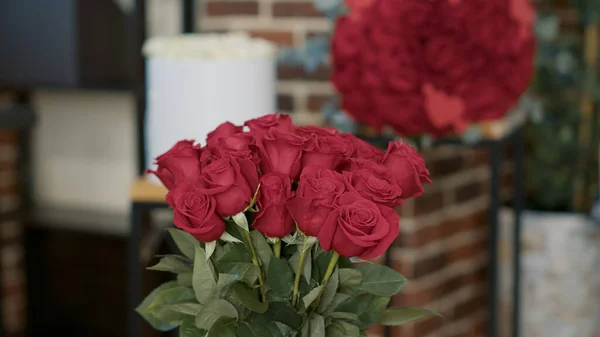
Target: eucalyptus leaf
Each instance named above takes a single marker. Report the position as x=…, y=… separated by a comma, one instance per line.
x=172, y=263
x=142, y=309
x=184, y=241
x=189, y=329
x=307, y=268
x=380, y=280
x=280, y=278
x=342, y=329
x=311, y=296
x=350, y=280
x=262, y=247
x=204, y=278
x=212, y=311
x=248, y=297
x=367, y=307
x=403, y=315
x=330, y=290
x=223, y=327
x=317, y=326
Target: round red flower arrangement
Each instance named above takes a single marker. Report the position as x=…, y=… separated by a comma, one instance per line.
x=328, y=185
x=432, y=66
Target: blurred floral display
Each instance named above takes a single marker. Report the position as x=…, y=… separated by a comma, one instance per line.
x=561, y=155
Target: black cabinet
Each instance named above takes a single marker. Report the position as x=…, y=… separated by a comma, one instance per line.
x=64, y=43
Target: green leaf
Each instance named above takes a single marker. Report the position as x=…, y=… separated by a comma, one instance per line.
x=342, y=329
x=231, y=255
x=343, y=316
x=190, y=309
x=317, y=326
x=251, y=329
x=160, y=306
x=223, y=327
x=246, y=272
x=350, y=280
x=263, y=249
x=248, y=297
x=189, y=329
x=214, y=310
x=367, y=307
x=142, y=309
x=305, y=331
x=185, y=279
x=185, y=242
x=307, y=268
x=403, y=315
x=281, y=312
x=363, y=334
x=280, y=278
x=172, y=263
x=337, y=299
x=203, y=278
x=225, y=280
x=330, y=290
x=380, y=280
x=321, y=262
x=311, y=296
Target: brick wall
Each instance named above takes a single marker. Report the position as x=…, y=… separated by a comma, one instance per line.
x=12, y=255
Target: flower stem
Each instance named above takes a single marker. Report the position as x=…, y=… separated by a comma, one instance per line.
x=330, y=268
x=277, y=249
x=299, y=271
x=256, y=262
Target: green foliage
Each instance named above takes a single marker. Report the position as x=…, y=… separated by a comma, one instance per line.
x=222, y=296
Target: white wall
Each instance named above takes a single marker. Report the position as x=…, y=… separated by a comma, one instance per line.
x=84, y=151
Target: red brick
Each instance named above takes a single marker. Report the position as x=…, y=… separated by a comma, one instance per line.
x=295, y=10
x=8, y=137
x=281, y=38
x=298, y=73
x=224, y=8
x=316, y=102
x=421, y=237
x=285, y=102
x=469, y=191
x=445, y=166
x=406, y=330
x=467, y=251
x=476, y=158
x=428, y=203
x=428, y=325
x=468, y=307
x=467, y=222
x=376, y=330
x=430, y=264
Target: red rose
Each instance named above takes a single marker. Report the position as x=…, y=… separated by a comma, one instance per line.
x=194, y=212
x=179, y=164
x=239, y=145
x=261, y=125
x=362, y=149
x=281, y=152
x=224, y=130
x=408, y=167
x=232, y=182
x=326, y=151
x=273, y=219
x=316, y=196
x=374, y=182
x=358, y=227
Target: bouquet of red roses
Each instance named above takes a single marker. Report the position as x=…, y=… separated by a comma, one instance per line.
x=274, y=224
x=432, y=66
